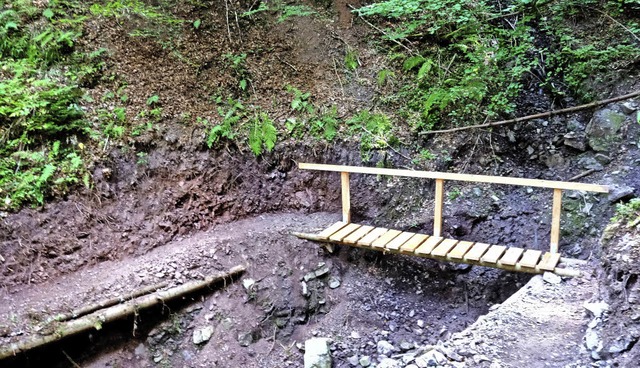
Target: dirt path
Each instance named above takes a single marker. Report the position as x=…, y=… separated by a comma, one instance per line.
x=542, y=325
x=293, y=290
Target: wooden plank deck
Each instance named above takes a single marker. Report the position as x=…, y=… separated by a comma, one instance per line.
x=435, y=247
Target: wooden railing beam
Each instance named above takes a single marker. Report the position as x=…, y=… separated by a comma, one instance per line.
x=459, y=177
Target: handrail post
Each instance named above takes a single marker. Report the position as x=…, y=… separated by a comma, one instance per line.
x=346, y=197
x=437, y=215
x=555, y=220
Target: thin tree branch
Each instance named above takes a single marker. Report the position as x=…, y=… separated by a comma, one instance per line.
x=536, y=116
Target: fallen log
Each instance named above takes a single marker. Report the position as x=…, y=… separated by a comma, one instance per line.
x=106, y=303
x=98, y=318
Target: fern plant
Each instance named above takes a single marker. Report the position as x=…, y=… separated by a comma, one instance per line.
x=263, y=134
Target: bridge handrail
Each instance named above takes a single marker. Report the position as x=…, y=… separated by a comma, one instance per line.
x=459, y=177
x=440, y=177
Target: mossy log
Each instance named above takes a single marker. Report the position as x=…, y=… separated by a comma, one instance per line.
x=98, y=318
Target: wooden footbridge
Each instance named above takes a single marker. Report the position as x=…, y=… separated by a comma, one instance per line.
x=434, y=245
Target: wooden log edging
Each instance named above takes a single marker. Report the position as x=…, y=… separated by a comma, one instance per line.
x=98, y=318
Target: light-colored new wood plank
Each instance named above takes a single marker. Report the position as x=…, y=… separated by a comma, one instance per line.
x=358, y=234
x=460, y=250
x=476, y=252
x=427, y=247
x=437, y=211
x=530, y=258
x=444, y=247
x=326, y=233
x=385, y=238
x=555, y=220
x=410, y=245
x=460, y=177
x=397, y=242
x=344, y=232
x=511, y=256
x=372, y=236
x=493, y=254
x=346, y=197
x=549, y=261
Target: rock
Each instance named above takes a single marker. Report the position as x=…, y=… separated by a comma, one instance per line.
x=202, y=335
x=305, y=289
x=385, y=348
x=480, y=358
x=353, y=360
x=629, y=107
x=309, y=276
x=245, y=339
x=354, y=335
x=597, y=309
x=322, y=271
x=389, y=363
x=316, y=353
x=334, y=282
x=618, y=193
x=620, y=345
x=603, y=132
x=248, y=283
x=432, y=358
x=554, y=160
x=592, y=340
x=408, y=358
x=576, y=140
x=405, y=345
x=365, y=361
x=603, y=159
x=551, y=278
x=590, y=163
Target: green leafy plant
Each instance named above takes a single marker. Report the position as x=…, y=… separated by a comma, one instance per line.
x=263, y=134
x=301, y=100
x=289, y=11
x=237, y=65
x=153, y=100
x=628, y=213
x=351, y=60
x=375, y=130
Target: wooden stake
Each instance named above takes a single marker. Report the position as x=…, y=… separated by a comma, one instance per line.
x=437, y=215
x=555, y=220
x=346, y=198
x=96, y=319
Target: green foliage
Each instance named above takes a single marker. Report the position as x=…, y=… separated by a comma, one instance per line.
x=477, y=56
x=383, y=76
x=301, y=100
x=263, y=134
x=374, y=130
x=237, y=65
x=289, y=11
x=40, y=116
x=628, y=213
x=351, y=60
x=153, y=100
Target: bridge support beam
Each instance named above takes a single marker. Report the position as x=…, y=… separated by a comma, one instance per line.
x=555, y=219
x=437, y=213
x=346, y=197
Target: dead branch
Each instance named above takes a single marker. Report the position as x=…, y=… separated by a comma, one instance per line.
x=536, y=116
x=98, y=318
